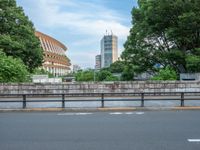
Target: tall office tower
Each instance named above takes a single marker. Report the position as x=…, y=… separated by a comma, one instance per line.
x=109, y=50
x=98, y=62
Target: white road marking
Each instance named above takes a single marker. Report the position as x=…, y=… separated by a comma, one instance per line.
x=71, y=114
x=83, y=113
x=139, y=113
x=129, y=113
x=112, y=113
x=193, y=140
x=126, y=113
x=116, y=113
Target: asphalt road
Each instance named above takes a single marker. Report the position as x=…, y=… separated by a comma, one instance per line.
x=149, y=130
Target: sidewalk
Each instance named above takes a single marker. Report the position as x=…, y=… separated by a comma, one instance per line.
x=100, y=109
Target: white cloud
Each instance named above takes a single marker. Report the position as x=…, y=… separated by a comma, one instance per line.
x=85, y=18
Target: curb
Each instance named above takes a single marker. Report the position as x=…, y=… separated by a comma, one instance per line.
x=100, y=109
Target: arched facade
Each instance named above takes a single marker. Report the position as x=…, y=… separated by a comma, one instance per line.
x=55, y=60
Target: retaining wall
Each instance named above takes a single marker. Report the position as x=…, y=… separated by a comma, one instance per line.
x=100, y=87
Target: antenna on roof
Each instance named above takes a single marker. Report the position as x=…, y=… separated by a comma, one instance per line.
x=106, y=32
x=111, y=32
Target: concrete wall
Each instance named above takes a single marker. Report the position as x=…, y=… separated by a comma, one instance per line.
x=90, y=87
x=190, y=76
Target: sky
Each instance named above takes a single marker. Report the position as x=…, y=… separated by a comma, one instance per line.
x=81, y=24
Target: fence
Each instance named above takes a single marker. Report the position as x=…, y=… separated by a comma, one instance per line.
x=102, y=97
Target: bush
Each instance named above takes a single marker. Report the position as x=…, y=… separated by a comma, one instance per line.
x=165, y=74
x=12, y=69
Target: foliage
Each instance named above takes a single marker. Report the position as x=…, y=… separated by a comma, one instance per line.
x=193, y=63
x=117, y=67
x=128, y=73
x=111, y=78
x=17, y=35
x=103, y=74
x=90, y=75
x=165, y=32
x=12, y=69
x=39, y=71
x=165, y=74
x=87, y=75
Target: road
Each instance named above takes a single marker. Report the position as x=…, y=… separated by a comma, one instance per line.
x=148, y=130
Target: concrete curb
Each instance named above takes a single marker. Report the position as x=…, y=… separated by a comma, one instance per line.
x=100, y=109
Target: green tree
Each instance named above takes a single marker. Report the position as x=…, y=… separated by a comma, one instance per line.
x=117, y=67
x=90, y=75
x=103, y=74
x=165, y=32
x=111, y=78
x=17, y=35
x=165, y=74
x=12, y=69
x=87, y=75
x=128, y=73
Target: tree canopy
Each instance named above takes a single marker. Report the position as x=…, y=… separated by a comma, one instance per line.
x=12, y=69
x=164, y=32
x=17, y=35
x=116, y=67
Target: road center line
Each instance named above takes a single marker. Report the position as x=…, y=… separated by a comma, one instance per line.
x=193, y=140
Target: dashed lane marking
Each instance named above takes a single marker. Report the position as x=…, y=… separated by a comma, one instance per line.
x=116, y=113
x=193, y=140
x=126, y=113
x=139, y=113
x=71, y=114
x=112, y=113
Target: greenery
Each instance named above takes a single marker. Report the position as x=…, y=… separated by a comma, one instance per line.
x=12, y=69
x=103, y=75
x=17, y=35
x=128, y=73
x=87, y=75
x=164, y=32
x=39, y=71
x=117, y=67
x=165, y=74
x=90, y=75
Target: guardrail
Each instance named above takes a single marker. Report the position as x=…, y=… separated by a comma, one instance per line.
x=103, y=97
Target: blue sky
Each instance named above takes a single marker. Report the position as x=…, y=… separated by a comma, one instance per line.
x=80, y=24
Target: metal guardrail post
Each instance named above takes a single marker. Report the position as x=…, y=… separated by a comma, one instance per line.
x=102, y=100
x=24, y=101
x=182, y=99
x=63, y=100
x=142, y=99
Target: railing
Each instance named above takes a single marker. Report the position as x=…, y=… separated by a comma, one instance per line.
x=103, y=97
